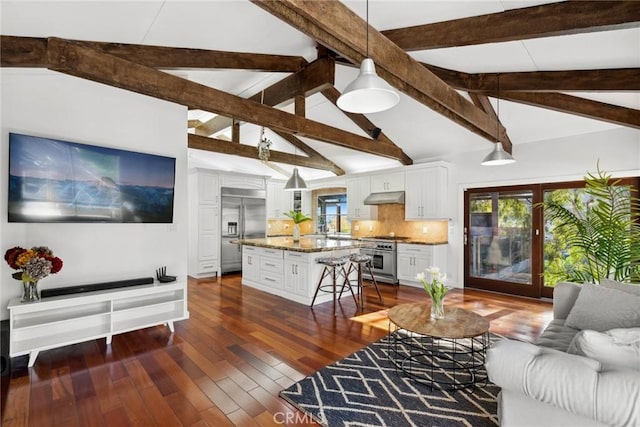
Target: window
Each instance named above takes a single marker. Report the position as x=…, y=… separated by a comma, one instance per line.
x=332, y=214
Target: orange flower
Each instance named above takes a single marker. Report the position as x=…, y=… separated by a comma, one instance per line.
x=25, y=257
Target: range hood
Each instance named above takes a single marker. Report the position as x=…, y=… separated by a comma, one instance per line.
x=391, y=197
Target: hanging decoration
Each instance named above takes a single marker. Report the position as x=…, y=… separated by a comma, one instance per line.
x=264, y=143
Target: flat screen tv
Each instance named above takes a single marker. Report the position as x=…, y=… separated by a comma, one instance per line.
x=60, y=181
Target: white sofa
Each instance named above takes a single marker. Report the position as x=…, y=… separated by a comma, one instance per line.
x=543, y=385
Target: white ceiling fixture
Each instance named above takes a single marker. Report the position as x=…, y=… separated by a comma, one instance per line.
x=295, y=182
x=368, y=93
x=498, y=156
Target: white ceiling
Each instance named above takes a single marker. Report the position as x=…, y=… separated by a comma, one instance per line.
x=423, y=134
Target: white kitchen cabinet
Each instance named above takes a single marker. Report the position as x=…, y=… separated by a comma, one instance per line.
x=386, y=182
x=290, y=274
x=414, y=258
x=427, y=194
x=357, y=190
x=204, y=223
x=296, y=273
x=69, y=319
x=279, y=201
x=250, y=263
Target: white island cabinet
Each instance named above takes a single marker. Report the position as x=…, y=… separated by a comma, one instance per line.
x=69, y=319
x=289, y=269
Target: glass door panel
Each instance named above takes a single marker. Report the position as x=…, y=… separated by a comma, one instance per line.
x=499, y=242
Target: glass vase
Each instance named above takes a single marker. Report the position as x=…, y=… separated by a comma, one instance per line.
x=30, y=292
x=437, y=308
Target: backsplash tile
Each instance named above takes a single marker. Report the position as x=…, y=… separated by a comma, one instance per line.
x=391, y=220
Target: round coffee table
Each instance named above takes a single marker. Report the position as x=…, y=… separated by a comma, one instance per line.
x=447, y=354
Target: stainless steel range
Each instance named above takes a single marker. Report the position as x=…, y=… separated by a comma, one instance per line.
x=383, y=250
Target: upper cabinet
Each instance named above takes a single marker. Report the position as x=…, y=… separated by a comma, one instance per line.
x=357, y=190
x=208, y=188
x=387, y=182
x=427, y=197
x=279, y=201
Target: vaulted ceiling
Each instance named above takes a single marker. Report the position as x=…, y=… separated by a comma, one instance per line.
x=563, y=68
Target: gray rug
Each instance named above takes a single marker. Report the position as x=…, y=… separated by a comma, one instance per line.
x=365, y=389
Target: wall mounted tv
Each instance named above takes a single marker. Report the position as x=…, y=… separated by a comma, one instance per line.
x=60, y=181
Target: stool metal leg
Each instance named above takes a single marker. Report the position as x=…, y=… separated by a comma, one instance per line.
x=375, y=282
x=347, y=283
x=325, y=272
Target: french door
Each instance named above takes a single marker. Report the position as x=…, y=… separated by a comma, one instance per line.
x=501, y=233
x=510, y=246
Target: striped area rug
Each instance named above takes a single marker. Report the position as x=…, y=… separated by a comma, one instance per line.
x=365, y=389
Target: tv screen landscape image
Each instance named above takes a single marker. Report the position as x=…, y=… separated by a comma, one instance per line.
x=60, y=181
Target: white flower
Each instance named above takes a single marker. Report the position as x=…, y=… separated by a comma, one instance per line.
x=420, y=277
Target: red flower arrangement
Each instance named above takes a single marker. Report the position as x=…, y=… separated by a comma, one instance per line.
x=34, y=264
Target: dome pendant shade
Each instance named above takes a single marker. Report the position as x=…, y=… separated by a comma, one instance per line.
x=295, y=182
x=498, y=156
x=368, y=93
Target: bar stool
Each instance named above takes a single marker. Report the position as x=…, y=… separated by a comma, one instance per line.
x=358, y=263
x=333, y=266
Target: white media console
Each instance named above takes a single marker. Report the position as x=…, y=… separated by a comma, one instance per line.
x=69, y=319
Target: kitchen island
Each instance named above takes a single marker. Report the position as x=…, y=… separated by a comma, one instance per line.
x=282, y=267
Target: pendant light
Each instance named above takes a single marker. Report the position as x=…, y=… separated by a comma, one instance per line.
x=295, y=182
x=498, y=156
x=368, y=93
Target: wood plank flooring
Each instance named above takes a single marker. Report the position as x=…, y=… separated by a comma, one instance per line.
x=226, y=364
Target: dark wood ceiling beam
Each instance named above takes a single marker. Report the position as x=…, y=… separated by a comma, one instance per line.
x=217, y=145
x=555, y=19
x=483, y=102
x=31, y=52
x=332, y=94
x=313, y=78
x=85, y=62
x=26, y=52
x=605, y=80
x=336, y=26
x=579, y=106
x=310, y=152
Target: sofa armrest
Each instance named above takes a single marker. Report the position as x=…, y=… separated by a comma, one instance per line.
x=572, y=383
x=565, y=295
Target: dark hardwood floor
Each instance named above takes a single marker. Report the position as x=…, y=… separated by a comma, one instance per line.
x=226, y=364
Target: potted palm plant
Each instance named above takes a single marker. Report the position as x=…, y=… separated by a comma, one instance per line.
x=297, y=218
x=606, y=233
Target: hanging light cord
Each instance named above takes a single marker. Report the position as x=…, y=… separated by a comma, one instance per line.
x=498, y=109
x=367, y=27
x=262, y=102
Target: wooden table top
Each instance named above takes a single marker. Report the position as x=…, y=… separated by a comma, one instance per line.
x=457, y=322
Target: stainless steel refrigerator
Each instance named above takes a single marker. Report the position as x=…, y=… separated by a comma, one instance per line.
x=244, y=216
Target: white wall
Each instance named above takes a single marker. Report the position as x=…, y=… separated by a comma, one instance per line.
x=49, y=104
x=565, y=159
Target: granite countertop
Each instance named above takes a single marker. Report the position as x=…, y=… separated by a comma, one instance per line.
x=420, y=242
x=305, y=244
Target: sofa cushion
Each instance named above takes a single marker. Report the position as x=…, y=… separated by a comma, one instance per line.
x=557, y=335
x=624, y=287
x=615, y=349
x=600, y=309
